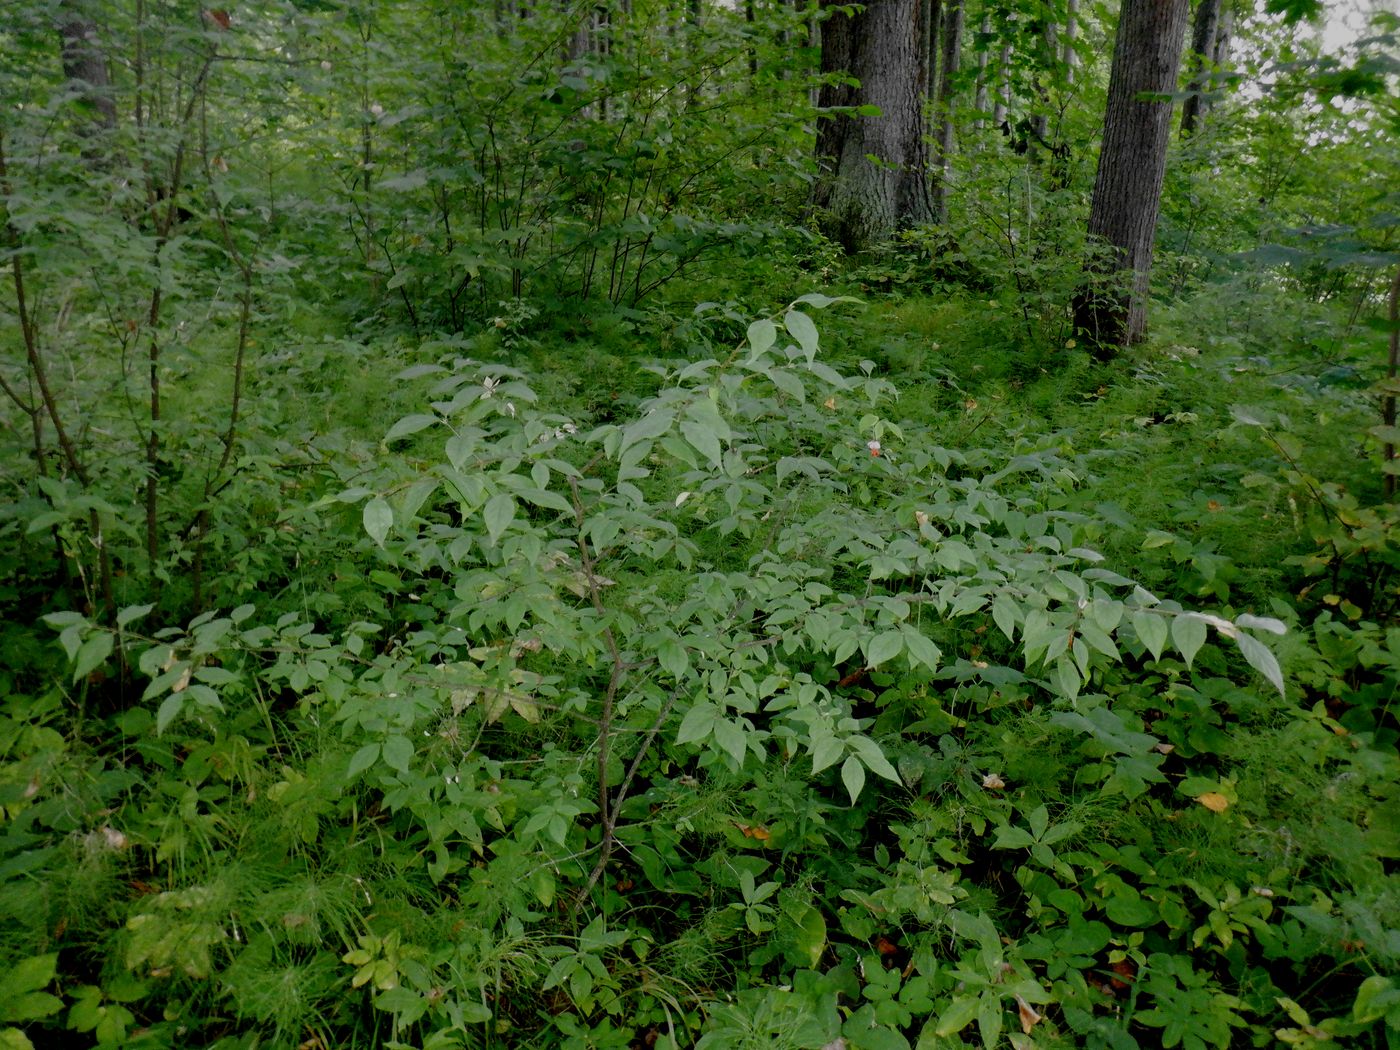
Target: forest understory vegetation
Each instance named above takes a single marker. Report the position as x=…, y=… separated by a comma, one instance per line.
x=484, y=566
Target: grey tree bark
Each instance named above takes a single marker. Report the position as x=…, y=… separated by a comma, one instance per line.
x=1132, y=165
x=1048, y=49
x=1202, y=62
x=933, y=21
x=1223, y=32
x=873, y=169
x=83, y=62
x=1003, y=102
x=979, y=98
x=1071, y=56
x=952, y=50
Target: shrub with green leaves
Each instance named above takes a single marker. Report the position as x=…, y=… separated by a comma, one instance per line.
x=758, y=689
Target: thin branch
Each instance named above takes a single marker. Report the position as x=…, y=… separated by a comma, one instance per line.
x=607, y=813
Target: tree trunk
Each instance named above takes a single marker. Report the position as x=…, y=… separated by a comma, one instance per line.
x=1132, y=165
x=1071, y=56
x=933, y=21
x=979, y=99
x=1223, y=32
x=1202, y=60
x=1003, y=102
x=952, y=47
x=749, y=16
x=84, y=65
x=874, y=170
x=1049, y=55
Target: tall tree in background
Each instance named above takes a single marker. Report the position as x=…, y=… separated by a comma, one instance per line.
x=947, y=85
x=1132, y=164
x=84, y=64
x=1070, y=55
x=1202, y=61
x=979, y=98
x=933, y=21
x=874, y=168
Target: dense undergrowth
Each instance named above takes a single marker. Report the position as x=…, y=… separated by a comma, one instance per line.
x=752, y=693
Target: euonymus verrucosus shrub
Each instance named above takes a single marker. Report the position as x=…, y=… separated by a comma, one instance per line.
x=598, y=628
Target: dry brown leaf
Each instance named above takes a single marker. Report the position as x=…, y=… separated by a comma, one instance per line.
x=1029, y=1017
x=1214, y=801
x=754, y=831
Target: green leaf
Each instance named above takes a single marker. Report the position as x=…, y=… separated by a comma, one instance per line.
x=409, y=425
x=957, y=1016
x=1129, y=909
x=873, y=758
x=132, y=612
x=459, y=448
x=853, y=776
x=411, y=499
x=169, y=708
x=95, y=649
x=821, y=302
x=789, y=384
x=419, y=371
x=547, y=499
x=500, y=509
x=698, y=723
x=672, y=657
x=44, y=521
x=1157, y=538
x=1294, y=10
x=1010, y=837
x=362, y=760
x=1039, y=820
x=801, y=328
x=920, y=648
x=883, y=647
x=398, y=753
x=762, y=335
x=378, y=519
x=807, y=934
x=1261, y=623
x=990, y=1018
x=703, y=439
x=29, y=975
x=826, y=750
x=1376, y=997
x=1261, y=659
x=652, y=425
x=20, y=996
x=1189, y=634
x=1152, y=628
x=1004, y=615
x=730, y=737
x=1067, y=676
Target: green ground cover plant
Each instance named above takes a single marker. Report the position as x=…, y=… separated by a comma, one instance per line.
x=617, y=717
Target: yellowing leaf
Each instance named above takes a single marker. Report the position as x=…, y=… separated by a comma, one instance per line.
x=1214, y=801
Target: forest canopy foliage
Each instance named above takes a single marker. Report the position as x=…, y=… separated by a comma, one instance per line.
x=506, y=543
